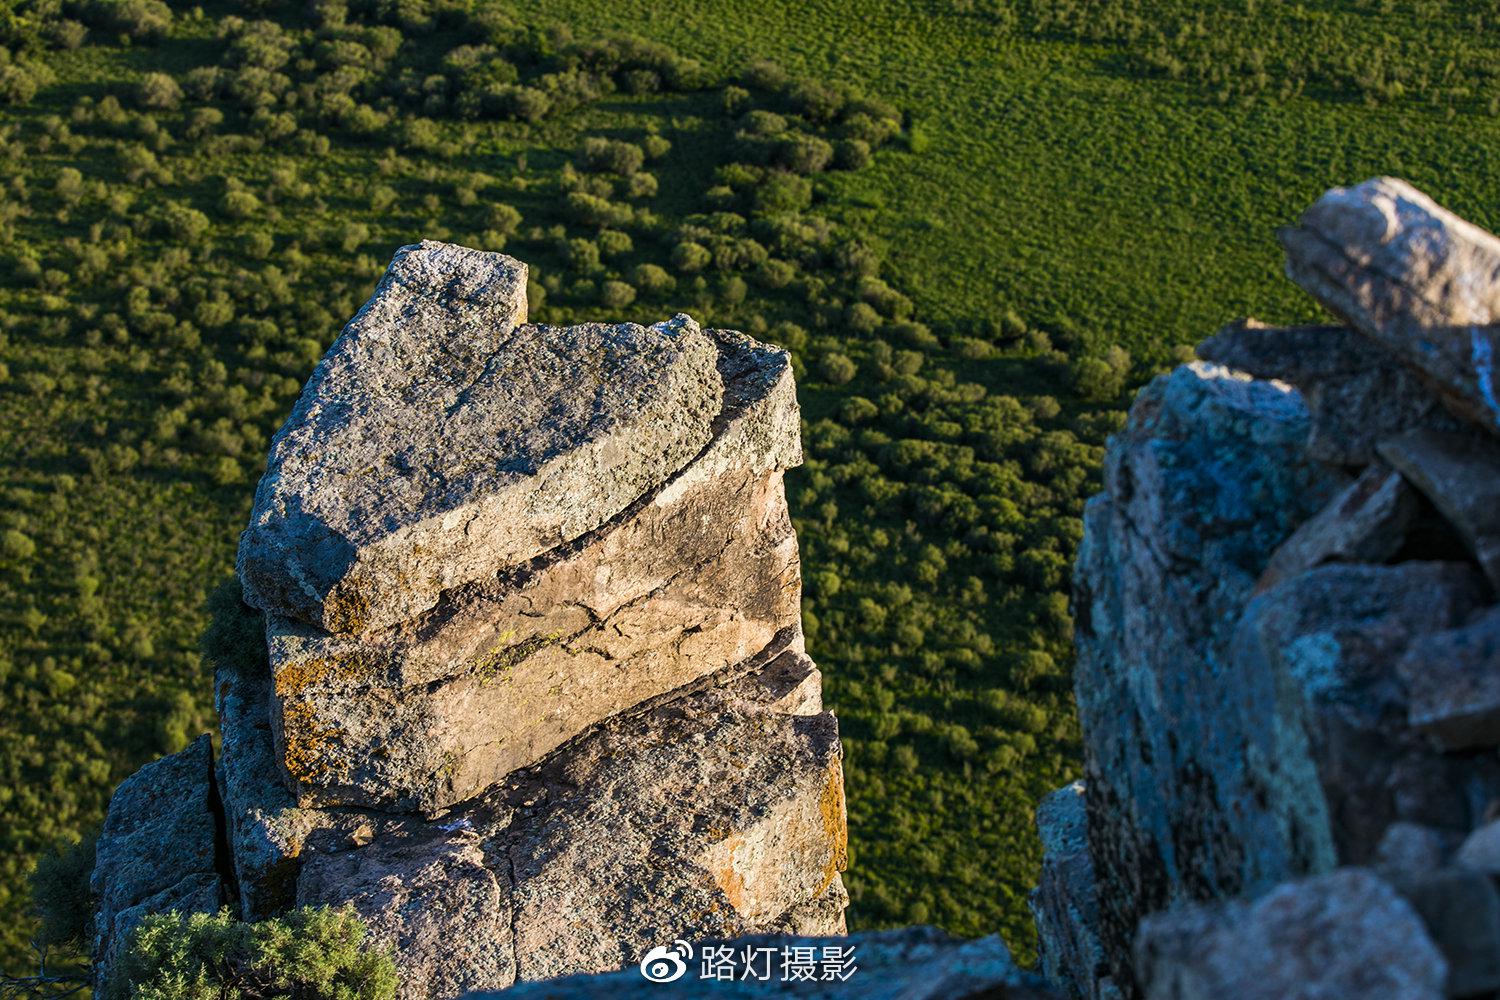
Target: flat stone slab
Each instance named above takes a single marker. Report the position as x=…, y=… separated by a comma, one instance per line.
x=698, y=575
x=1367, y=522
x=1453, y=680
x=1460, y=474
x=441, y=440
x=157, y=850
x=1414, y=277
x=1346, y=935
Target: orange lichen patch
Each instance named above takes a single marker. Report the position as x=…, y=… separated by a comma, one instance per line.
x=346, y=609
x=726, y=874
x=296, y=676
x=835, y=824
x=305, y=736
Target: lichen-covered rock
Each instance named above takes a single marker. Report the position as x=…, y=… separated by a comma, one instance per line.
x=1460, y=474
x=1064, y=903
x=1206, y=480
x=1454, y=682
x=915, y=963
x=1412, y=276
x=157, y=850
x=267, y=832
x=1346, y=935
x=441, y=440
x=693, y=577
x=1330, y=761
x=1357, y=392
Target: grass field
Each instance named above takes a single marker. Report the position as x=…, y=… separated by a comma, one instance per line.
x=1054, y=192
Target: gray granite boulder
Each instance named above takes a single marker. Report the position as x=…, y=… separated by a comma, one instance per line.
x=712, y=814
x=441, y=440
x=1346, y=935
x=698, y=574
x=158, y=849
x=1461, y=910
x=1205, y=481
x=1412, y=276
x=915, y=963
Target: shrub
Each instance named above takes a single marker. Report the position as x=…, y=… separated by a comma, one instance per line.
x=652, y=278
x=803, y=154
x=690, y=257
x=613, y=243
x=61, y=899
x=616, y=294
x=610, y=156
x=139, y=19
x=313, y=953
x=837, y=368
x=781, y=192
x=159, y=91
x=17, y=85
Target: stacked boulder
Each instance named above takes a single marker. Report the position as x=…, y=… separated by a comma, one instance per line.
x=1288, y=638
x=533, y=696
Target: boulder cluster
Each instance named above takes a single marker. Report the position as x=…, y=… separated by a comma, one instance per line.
x=533, y=697
x=1288, y=638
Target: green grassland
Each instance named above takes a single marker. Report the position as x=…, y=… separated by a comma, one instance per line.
x=978, y=226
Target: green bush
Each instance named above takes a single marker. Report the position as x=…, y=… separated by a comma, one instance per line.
x=312, y=953
x=61, y=899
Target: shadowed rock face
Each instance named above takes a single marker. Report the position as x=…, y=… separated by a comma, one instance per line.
x=158, y=850
x=1287, y=644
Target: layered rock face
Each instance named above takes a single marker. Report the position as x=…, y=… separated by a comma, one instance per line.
x=1288, y=646
x=534, y=698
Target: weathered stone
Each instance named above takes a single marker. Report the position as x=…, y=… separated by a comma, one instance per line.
x=1345, y=935
x=1206, y=480
x=1064, y=904
x=1461, y=910
x=157, y=850
x=694, y=577
x=1357, y=392
x=915, y=963
x=438, y=442
x=267, y=832
x=1412, y=276
x=710, y=814
x=1481, y=849
x=1460, y=474
x=435, y=898
x=1408, y=849
x=1367, y=522
x=1454, y=683
x=1328, y=755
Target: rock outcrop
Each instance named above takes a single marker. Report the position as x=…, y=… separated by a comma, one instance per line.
x=1288, y=644
x=533, y=697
